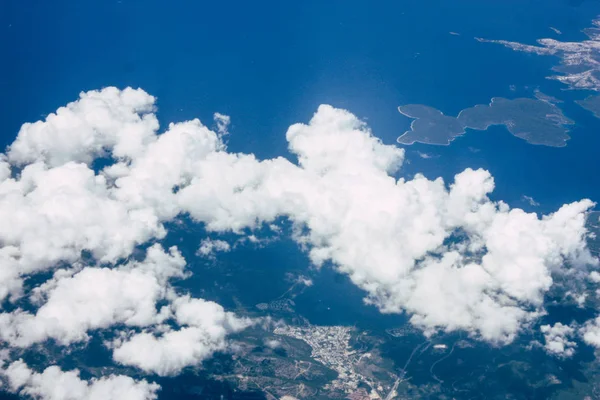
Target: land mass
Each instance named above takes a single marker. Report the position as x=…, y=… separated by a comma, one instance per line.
x=537, y=121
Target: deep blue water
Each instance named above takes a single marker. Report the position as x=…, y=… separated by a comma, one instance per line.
x=270, y=64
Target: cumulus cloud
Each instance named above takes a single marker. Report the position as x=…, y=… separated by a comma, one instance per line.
x=208, y=247
x=557, y=339
x=206, y=325
x=110, y=120
x=60, y=208
x=590, y=332
x=55, y=384
x=381, y=231
x=394, y=238
x=96, y=298
x=51, y=215
x=441, y=251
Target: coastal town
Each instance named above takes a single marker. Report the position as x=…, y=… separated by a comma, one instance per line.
x=331, y=346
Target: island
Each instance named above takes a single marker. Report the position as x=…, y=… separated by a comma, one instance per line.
x=538, y=121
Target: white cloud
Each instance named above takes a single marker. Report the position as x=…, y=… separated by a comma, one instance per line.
x=11, y=282
x=208, y=247
x=304, y=281
x=531, y=201
x=590, y=332
x=96, y=298
x=222, y=122
x=50, y=215
x=426, y=156
x=110, y=119
x=272, y=343
x=206, y=325
x=55, y=384
x=557, y=339
x=169, y=353
x=172, y=161
x=58, y=208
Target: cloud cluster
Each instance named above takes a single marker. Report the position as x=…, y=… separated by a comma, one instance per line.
x=51, y=214
x=109, y=121
x=208, y=247
x=449, y=256
x=76, y=302
x=591, y=332
x=205, y=327
x=61, y=214
x=96, y=298
x=55, y=384
x=446, y=254
x=557, y=338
